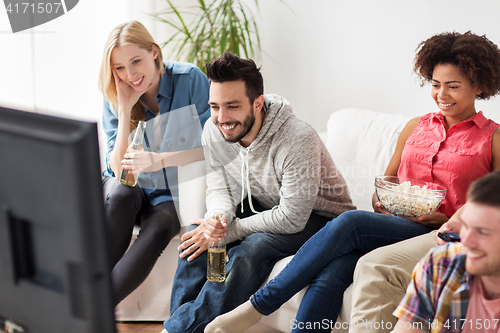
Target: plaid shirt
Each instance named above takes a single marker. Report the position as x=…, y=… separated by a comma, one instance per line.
x=438, y=295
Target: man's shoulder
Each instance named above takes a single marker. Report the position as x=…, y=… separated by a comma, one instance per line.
x=282, y=114
x=295, y=132
x=445, y=261
x=449, y=250
x=295, y=127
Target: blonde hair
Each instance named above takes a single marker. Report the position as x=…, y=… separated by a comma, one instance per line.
x=129, y=33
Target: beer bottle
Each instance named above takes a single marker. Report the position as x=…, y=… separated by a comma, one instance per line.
x=126, y=178
x=216, y=263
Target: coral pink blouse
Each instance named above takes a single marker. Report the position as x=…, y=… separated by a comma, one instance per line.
x=453, y=158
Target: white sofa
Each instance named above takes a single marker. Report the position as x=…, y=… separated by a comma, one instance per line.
x=360, y=142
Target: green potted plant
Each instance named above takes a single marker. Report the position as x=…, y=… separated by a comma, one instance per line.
x=214, y=26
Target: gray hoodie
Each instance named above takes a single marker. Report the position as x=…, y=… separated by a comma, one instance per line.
x=287, y=169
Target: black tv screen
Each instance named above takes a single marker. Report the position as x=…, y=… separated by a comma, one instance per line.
x=54, y=257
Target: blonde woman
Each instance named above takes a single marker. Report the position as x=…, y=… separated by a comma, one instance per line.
x=172, y=98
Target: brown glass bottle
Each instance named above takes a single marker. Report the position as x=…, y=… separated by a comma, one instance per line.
x=126, y=178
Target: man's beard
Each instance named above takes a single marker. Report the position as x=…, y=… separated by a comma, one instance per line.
x=245, y=128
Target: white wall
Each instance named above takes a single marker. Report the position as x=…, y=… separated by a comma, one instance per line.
x=54, y=68
x=332, y=54
x=324, y=56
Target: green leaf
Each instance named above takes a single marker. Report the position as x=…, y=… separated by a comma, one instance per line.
x=203, y=31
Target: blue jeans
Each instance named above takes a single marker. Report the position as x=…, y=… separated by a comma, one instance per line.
x=195, y=302
x=326, y=263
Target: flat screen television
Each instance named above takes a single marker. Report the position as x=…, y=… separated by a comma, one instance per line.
x=54, y=256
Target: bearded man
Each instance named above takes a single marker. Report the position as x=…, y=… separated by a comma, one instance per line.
x=257, y=150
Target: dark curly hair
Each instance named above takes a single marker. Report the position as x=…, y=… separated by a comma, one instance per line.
x=477, y=58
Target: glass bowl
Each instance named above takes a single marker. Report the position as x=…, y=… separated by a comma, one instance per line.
x=408, y=197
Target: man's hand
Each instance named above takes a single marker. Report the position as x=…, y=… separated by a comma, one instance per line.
x=195, y=242
x=215, y=229
x=453, y=225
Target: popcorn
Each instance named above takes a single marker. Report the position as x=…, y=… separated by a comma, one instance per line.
x=408, y=200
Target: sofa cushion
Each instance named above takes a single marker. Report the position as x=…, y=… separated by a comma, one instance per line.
x=361, y=143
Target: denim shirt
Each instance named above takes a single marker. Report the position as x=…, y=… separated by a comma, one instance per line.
x=183, y=101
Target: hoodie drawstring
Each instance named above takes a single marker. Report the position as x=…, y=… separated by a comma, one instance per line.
x=244, y=164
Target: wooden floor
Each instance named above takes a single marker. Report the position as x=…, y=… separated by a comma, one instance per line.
x=157, y=327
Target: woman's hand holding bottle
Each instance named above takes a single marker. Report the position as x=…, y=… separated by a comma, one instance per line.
x=142, y=161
